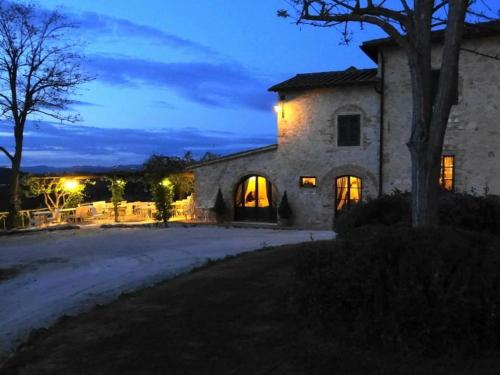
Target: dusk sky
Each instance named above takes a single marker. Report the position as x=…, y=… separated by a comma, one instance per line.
x=177, y=76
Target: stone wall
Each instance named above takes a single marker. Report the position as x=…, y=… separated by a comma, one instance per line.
x=307, y=139
x=473, y=133
x=307, y=147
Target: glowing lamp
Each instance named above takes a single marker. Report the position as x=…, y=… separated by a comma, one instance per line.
x=280, y=108
x=71, y=185
x=166, y=182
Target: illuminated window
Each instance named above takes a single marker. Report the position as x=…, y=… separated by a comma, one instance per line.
x=348, y=130
x=253, y=192
x=308, y=181
x=447, y=176
x=347, y=192
x=255, y=200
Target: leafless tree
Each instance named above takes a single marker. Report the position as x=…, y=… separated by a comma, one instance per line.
x=39, y=70
x=410, y=24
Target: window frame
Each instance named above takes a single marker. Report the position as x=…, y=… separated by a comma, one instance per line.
x=306, y=186
x=442, y=172
x=337, y=122
x=348, y=199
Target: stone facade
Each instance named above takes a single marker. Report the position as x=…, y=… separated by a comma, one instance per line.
x=307, y=139
x=473, y=133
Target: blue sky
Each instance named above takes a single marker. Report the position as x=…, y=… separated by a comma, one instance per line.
x=177, y=76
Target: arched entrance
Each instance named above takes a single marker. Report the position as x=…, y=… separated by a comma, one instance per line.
x=347, y=192
x=255, y=200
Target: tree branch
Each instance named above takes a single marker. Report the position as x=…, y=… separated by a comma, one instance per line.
x=7, y=153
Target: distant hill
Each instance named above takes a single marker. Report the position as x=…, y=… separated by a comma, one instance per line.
x=82, y=169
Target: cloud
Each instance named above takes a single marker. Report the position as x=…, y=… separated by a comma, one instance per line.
x=84, y=103
x=68, y=145
x=206, y=83
x=101, y=25
x=162, y=104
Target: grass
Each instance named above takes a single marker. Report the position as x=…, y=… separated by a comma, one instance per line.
x=229, y=317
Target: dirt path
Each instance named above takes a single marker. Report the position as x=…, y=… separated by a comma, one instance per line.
x=69, y=272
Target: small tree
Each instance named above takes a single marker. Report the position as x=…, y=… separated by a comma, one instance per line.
x=58, y=192
x=220, y=207
x=284, y=209
x=116, y=187
x=163, y=194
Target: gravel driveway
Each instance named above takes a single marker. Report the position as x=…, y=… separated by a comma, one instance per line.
x=70, y=271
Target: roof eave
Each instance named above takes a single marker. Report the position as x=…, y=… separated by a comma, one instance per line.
x=236, y=155
x=303, y=88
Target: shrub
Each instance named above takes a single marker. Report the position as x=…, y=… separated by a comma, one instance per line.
x=387, y=210
x=477, y=213
x=284, y=209
x=466, y=211
x=432, y=291
x=220, y=207
x=163, y=193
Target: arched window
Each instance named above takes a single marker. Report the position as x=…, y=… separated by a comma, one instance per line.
x=254, y=199
x=347, y=192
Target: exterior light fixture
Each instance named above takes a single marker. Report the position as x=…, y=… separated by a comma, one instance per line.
x=166, y=182
x=280, y=107
x=70, y=185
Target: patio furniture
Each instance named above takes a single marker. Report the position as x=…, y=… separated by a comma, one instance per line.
x=3, y=219
x=42, y=218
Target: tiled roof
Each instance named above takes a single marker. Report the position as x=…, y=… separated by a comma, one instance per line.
x=235, y=156
x=327, y=79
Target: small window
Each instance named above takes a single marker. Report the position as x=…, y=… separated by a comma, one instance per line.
x=308, y=181
x=447, y=176
x=348, y=130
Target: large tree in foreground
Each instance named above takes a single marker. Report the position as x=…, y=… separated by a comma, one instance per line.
x=39, y=69
x=410, y=24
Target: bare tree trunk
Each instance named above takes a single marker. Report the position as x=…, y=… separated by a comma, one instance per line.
x=14, y=203
x=430, y=115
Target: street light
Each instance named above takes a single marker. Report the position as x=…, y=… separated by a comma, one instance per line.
x=71, y=185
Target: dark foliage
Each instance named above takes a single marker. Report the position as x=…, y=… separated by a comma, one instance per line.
x=477, y=213
x=284, y=209
x=220, y=207
x=157, y=167
x=470, y=212
x=431, y=291
x=387, y=210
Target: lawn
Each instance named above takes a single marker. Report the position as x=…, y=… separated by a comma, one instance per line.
x=229, y=317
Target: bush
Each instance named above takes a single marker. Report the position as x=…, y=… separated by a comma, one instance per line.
x=284, y=209
x=466, y=211
x=432, y=291
x=220, y=207
x=387, y=210
x=477, y=213
x=163, y=193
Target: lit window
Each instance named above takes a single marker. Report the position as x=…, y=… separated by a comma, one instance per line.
x=347, y=192
x=447, y=176
x=348, y=130
x=308, y=181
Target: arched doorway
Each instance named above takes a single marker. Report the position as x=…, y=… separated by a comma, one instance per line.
x=348, y=191
x=255, y=200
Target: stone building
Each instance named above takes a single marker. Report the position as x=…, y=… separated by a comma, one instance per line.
x=342, y=138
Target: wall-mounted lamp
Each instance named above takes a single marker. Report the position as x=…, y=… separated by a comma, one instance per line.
x=280, y=107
